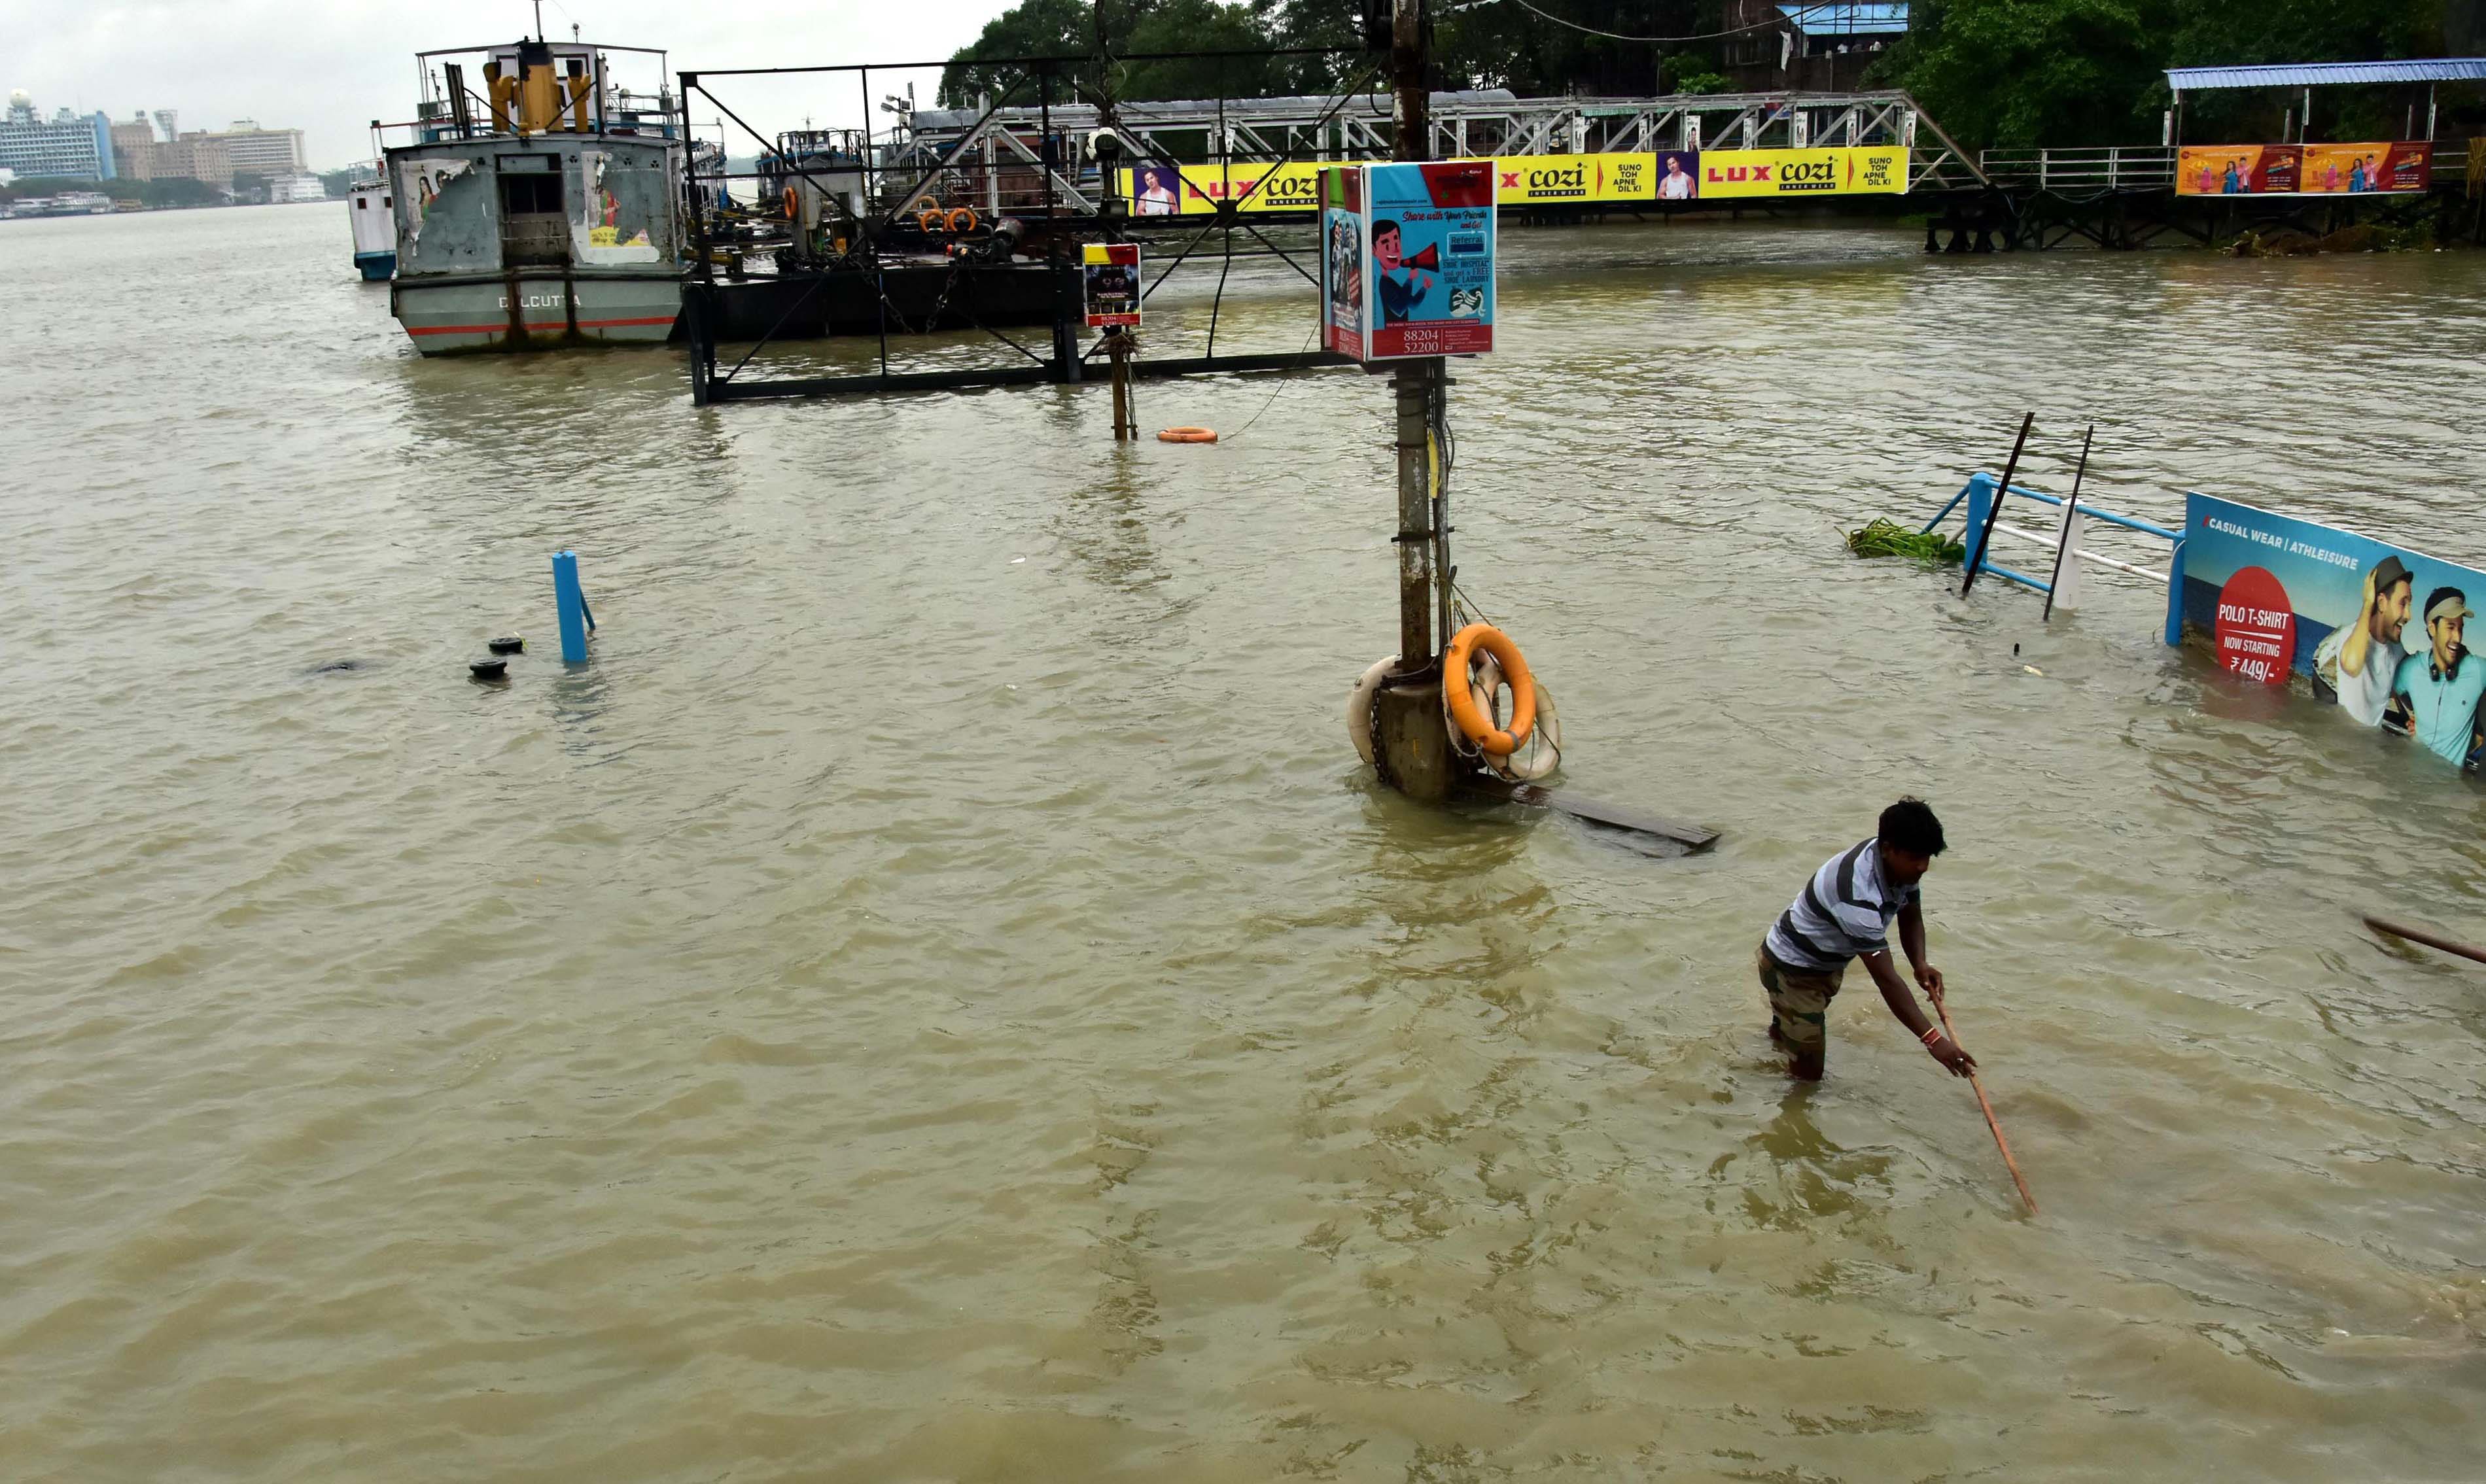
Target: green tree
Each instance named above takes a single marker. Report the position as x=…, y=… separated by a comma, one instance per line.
x=2020, y=74
x=2033, y=73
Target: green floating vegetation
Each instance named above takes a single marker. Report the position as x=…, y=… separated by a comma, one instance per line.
x=1889, y=538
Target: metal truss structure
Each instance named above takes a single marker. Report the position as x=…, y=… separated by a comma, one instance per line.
x=1491, y=122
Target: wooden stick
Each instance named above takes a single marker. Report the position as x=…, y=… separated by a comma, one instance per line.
x=2419, y=935
x=1999, y=1142
x=2062, y=548
x=1985, y=537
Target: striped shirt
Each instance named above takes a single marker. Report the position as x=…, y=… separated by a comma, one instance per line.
x=1844, y=912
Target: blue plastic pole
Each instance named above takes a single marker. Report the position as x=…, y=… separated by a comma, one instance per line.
x=573, y=606
x=1981, y=494
x=2175, y=596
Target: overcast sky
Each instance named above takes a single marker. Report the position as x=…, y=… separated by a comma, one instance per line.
x=329, y=67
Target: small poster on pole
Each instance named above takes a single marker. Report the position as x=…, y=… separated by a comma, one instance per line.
x=1113, y=279
x=1407, y=256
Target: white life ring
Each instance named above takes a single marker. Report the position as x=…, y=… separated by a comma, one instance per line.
x=1358, y=705
x=1543, y=752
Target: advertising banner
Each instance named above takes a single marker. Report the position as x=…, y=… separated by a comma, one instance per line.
x=1195, y=190
x=2343, y=168
x=1547, y=179
x=1554, y=179
x=1840, y=171
x=2237, y=170
x=1342, y=261
x=2379, y=629
x=1407, y=260
x=1112, y=274
x=2301, y=170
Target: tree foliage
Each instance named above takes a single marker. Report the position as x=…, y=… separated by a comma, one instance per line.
x=1483, y=43
x=2009, y=73
x=2027, y=73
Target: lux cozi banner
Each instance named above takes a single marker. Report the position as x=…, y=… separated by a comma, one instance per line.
x=2303, y=170
x=1694, y=175
x=1195, y=190
x=2378, y=630
x=1549, y=179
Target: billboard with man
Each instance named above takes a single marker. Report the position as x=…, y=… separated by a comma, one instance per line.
x=2377, y=629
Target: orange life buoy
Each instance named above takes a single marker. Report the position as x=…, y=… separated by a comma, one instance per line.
x=1188, y=435
x=962, y=219
x=1461, y=696
x=930, y=219
x=793, y=204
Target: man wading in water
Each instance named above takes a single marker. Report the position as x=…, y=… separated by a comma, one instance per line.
x=1843, y=913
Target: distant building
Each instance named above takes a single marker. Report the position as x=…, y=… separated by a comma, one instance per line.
x=68, y=145
x=1809, y=45
x=131, y=144
x=194, y=157
x=259, y=151
x=283, y=190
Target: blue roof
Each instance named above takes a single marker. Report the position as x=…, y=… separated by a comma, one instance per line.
x=2324, y=74
x=1847, y=17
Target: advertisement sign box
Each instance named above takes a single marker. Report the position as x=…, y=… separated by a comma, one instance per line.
x=1407, y=260
x=1111, y=274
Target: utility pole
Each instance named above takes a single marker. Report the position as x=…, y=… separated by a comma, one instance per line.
x=1412, y=740
x=1414, y=380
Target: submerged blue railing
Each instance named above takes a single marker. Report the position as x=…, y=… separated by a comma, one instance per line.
x=2063, y=586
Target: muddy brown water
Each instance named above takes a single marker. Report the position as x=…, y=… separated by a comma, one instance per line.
x=936, y=998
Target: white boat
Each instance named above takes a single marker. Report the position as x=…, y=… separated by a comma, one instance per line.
x=372, y=209
x=540, y=209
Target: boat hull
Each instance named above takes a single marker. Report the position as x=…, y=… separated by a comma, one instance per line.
x=377, y=267
x=536, y=310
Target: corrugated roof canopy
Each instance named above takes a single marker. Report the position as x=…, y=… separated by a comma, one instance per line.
x=2325, y=74
x=1847, y=17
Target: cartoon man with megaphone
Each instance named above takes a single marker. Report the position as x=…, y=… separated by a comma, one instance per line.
x=1399, y=296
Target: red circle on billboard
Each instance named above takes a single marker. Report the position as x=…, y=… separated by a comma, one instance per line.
x=2257, y=628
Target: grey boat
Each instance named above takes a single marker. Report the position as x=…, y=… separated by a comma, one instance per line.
x=539, y=211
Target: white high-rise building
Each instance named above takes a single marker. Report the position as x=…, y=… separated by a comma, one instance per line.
x=260, y=151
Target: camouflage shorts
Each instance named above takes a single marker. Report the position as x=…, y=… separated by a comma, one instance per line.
x=1800, y=1003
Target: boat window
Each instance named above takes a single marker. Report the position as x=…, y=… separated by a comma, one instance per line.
x=530, y=195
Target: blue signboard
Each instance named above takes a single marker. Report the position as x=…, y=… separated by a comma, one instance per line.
x=2379, y=629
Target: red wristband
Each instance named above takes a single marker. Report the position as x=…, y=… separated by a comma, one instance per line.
x=1930, y=1036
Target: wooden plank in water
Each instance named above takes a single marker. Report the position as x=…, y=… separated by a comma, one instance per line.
x=2450, y=945
x=1613, y=816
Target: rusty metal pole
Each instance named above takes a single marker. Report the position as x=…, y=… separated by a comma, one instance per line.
x=1127, y=421
x=1411, y=739
x=1414, y=379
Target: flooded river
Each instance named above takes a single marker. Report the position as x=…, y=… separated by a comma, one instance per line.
x=937, y=997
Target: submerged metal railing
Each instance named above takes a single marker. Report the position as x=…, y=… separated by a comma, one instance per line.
x=2063, y=584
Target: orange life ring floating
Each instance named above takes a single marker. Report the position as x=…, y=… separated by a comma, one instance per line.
x=1187, y=435
x=931, y=218
x=793, y=204
x=961, y=219
x=1461, y=696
